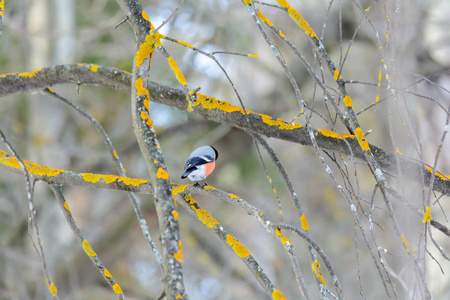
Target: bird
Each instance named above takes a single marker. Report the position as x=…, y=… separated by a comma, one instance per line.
x=200, y=164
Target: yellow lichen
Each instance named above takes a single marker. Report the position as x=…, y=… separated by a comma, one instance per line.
x=185, y=44
x=439, y=175
x=329, y=133
x=206, y=218
x=176, y=189
x=405, y=242
x=162, y=174
x=117, y=289
x=240, y=250
x=212, y=103
x=144, y=51
x=304, y=222
x=179, y=254
x=145, y=16
x=361, y=139
x=140, y=89
x=66, y=206
x=178, y=74
x=106, y=273
x=277, y=295
x=284, y=239
x=336, y=75
x=316, y=270
x=348, y=101
x=263, y=18
x=88, y=249
x=52, y=288
x=279, y=123
x=427, y=215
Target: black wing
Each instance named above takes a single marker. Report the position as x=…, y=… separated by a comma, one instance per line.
x=197, y=161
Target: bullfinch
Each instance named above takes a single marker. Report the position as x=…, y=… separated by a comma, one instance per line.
x=200, y=163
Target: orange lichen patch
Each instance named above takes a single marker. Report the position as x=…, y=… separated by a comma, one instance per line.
x=405, y=242
x=439, y=175
x=361, y=139
x=336, y=75
x=179, y=254
x=147, y=103
x=304, y=222
x=398, y=151
x=247, y=2
x=179, y=296
x=280, y=123
x=253, y=55
x=88, y=249
x=316, y=270
x=240, y=250
x=106, y=273
x=144, y=115
x=162, y=174
x=277, y=295
x=2, y=8
x=348, y=101
x=175, y=214
x=329, y=133
x=94, y=68
x=52, y=288
x=178, y=74
x=117, y=289
x=233, y=196
x=284, y=239
x=66, y=206
x=142, y=91
x=145, y=16
x=115, y=154
x=427, y=215
x=144, y=51
x=209, y=188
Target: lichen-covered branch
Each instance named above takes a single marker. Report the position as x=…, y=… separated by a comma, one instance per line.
x=219, y=111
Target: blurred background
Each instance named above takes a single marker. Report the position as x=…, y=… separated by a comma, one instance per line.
x=409, y=117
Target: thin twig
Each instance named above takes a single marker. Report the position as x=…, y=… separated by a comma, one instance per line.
x=32, y=214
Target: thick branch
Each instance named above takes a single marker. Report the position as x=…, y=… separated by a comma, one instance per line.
x=216, y=110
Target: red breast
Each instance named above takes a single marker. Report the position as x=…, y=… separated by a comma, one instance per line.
x=209, y=167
